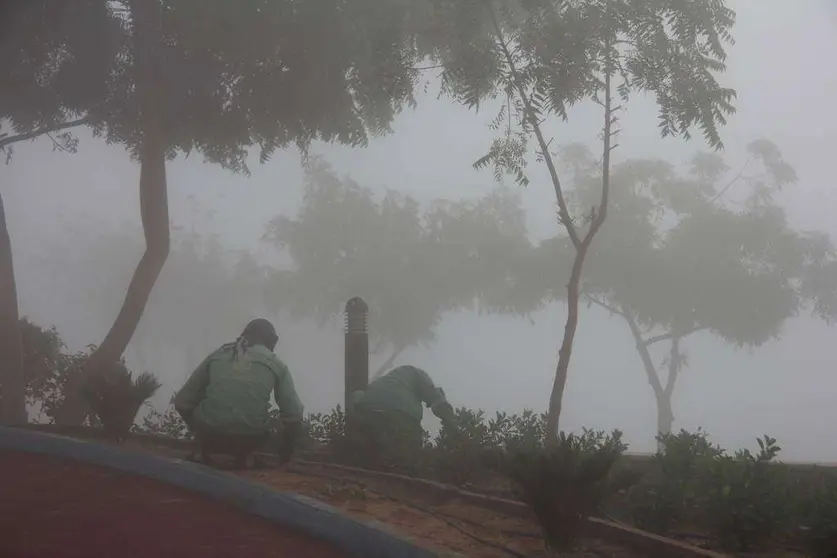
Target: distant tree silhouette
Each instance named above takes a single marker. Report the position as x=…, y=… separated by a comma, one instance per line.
x=411, y=264
x=204, y=296
x=708, y=249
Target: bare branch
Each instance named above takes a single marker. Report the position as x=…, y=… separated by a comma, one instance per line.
x=735, y=179
x=671, y=335
x=530, y=116
x=605, y=305
x=6, y=140
x=607, y=136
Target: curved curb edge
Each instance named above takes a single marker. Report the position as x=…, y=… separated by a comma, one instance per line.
x=312, y=517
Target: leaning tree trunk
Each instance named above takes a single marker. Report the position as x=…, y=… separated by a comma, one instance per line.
x=556, y=398
x=147, y=30
x=12, y=381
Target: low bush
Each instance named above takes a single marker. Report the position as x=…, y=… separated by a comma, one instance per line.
x=168, y=423
x=819, y=519
x=747, y=501
x=671, y=491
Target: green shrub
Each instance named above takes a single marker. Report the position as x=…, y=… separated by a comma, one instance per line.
x=671, y=490
x=526, y=431
x=566, y=483
x=328, y=429
x=461, y=444
x=747, y=501
x=168, y=423
x=820, y=519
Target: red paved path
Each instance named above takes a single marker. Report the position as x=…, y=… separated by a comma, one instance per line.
x=56, y=508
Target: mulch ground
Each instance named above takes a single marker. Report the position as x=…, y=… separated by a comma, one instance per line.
x=450, y=525
x=61, y=508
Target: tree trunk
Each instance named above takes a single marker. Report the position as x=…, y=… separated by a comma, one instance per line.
x=662, y=394
x=665, y=415
x=556, y=398
x=12, y=381
x=146, y=22
x=665, y=419
x=382, y=369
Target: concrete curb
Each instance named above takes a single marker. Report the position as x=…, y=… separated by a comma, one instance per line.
x=299, y=512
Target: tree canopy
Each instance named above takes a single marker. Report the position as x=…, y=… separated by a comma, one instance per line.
x=231, y=76
x=706, y=248
x=545, y=56
x=411, y=264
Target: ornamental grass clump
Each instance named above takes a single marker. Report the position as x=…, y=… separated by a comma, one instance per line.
x=568, y=482
x=116, y=396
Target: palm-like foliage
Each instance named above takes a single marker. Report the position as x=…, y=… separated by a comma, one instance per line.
x=116, y=397
x=566, y=483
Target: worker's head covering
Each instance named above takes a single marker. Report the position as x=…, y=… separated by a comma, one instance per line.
x=258, y=332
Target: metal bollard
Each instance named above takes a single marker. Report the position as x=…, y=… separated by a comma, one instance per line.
x=356, y=351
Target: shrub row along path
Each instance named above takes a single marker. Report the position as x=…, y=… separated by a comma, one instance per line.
x=53, y=507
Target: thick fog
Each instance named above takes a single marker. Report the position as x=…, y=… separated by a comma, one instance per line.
x=58, y=203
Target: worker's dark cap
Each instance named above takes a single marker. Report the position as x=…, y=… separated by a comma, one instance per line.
x=261, y=330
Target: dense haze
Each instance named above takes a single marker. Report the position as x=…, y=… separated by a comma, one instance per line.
x=786, y=388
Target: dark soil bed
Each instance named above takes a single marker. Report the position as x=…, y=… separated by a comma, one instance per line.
x=450, y=525
x=61, y=508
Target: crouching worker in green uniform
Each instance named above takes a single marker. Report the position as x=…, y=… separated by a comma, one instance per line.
x=384, y=421
x=226, y=400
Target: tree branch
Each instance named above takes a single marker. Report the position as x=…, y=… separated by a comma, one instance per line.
x=671, y=335
x=6, y=140
x=388, y=362
x=606, y=306
x=735, y=179
x=647, y=361
x=563, y=209
x=600, y=214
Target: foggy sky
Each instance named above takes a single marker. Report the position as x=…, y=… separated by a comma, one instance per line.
x=780, y=68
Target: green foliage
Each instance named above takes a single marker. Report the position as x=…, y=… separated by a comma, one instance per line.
x=327, y=428
x=820, y=519
x=168, y=423
x=743, y=501
x=116, y=396
x=230, y=77
x=747, y=499
x=449, y=256
x=460, y=446
x=545, y=56
x=566, y=483
x=47, y=367
x=671, y=493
